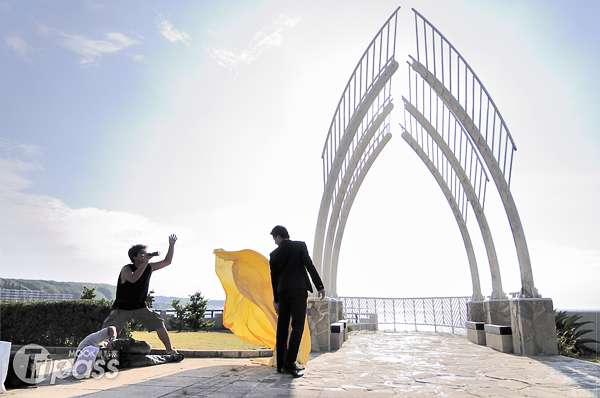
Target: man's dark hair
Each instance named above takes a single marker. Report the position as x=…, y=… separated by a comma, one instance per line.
x=134, y=250
x=280, y=231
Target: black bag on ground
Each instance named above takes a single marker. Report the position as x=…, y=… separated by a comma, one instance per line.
x=138, y=361
x=131, y=346
x=135, y=354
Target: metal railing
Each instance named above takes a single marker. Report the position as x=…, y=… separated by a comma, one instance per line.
x=208, y=314
x=438, y=116
x=443, y=314
x=362, y=115
x=373, y=64
x=448, y=66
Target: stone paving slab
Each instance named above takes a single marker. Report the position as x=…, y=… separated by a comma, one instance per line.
x=406, y=364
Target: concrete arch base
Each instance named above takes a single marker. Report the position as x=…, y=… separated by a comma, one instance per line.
x=497, y=312
x=493, y=312
x=320, y=315
x=533, y=326
x=476, y=311
x=531, y=322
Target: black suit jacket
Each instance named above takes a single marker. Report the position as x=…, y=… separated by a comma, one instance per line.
x=289, y=263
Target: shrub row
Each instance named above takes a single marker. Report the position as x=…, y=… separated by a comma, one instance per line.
x=51, y=323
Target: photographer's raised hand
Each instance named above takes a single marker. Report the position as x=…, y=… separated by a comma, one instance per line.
x=169, y=257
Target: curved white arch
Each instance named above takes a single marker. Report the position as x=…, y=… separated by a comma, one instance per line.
x=362, y=173
x=477, y=296
x=486, y=233
x=527, y=286
x=345, y=183
x=366, y=94
x=340, y=155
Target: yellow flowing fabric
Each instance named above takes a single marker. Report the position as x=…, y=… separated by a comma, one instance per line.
x=248, y=312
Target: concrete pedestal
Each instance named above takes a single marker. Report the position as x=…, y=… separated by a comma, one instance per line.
x=4, y=360
x=499, y=338
x=321, y=314
x=497, y=312
x=476, y=311
x=344, y=322
x=337, y=336
x=533, y=326
x=476, y=332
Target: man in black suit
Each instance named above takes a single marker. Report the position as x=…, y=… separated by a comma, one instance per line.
x=289, y=265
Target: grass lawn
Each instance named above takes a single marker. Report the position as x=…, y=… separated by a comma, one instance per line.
x=199, y=341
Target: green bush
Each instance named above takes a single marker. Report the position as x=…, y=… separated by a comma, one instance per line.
x=51, y=323
x=190, y=315
x=178, y=321
x=88, y=294
x=196, y=308
x=570, y=342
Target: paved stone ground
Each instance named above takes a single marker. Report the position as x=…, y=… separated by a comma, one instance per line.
x=406, y=364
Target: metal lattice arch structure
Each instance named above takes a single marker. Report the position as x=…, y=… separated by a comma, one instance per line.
x=357, y=134
x=453, y=94
x=452, y=124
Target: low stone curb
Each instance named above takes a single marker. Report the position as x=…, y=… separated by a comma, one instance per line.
x=220, y=353
x=266, y=353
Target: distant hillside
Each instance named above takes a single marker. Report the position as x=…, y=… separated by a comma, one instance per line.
x=164, y=302
x=103, y=290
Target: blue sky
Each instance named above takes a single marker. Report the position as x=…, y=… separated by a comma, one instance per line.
x=124, y=122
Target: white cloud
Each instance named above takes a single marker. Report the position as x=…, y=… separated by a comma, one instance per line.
x=94, y=5
x=270, y=36
x=28, y=150
x=10, y=175
x=91, y=50
x=41, y=237
x=15, y=161
x=20, y=46
x=170, y=33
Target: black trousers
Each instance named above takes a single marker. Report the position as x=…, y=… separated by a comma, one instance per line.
x=292, y=304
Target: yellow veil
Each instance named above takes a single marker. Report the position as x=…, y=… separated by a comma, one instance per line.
x=249, y=313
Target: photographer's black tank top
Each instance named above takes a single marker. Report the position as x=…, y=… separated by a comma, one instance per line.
x=132, y=296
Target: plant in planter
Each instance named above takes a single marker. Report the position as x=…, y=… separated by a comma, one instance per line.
x=569, y=338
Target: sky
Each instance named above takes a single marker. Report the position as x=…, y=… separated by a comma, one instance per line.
x=125, y=122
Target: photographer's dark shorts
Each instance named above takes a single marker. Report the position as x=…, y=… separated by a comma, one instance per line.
x=148, y=318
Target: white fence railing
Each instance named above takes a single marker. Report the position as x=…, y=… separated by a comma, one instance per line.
x=442, y=314
x=210, y=315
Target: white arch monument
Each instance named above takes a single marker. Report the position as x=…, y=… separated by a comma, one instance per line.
x=478, y=147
